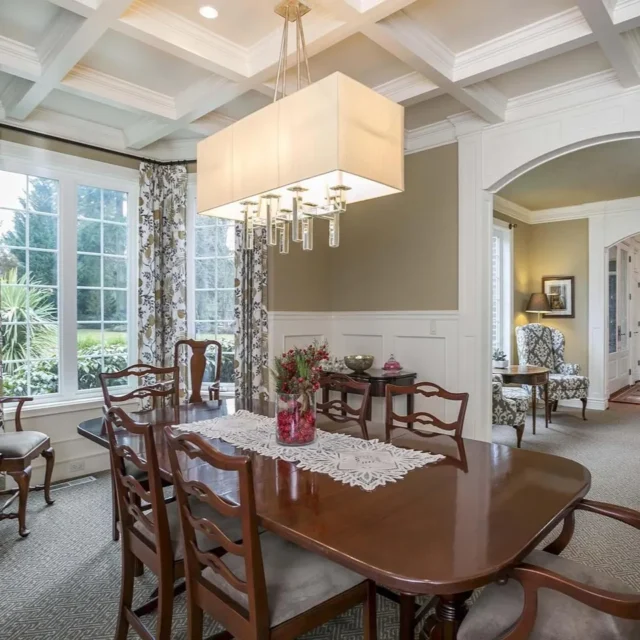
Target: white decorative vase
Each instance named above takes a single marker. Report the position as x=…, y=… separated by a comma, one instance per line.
x=500, y=364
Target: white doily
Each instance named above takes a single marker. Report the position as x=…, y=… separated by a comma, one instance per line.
x=359, y=463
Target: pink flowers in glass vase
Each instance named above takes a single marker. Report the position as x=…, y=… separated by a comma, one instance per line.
x=297, y=376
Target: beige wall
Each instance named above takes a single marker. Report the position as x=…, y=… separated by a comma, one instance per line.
x=562, y=249
x=396, y=253
x=301, y=280
x=553, y=249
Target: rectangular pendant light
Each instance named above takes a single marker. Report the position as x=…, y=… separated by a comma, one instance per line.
x=334, y=133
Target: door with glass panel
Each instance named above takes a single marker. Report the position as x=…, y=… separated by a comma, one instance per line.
x=619, y=279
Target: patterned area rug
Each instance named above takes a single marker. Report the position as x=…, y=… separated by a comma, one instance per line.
x=628, y=396
x=62, y=583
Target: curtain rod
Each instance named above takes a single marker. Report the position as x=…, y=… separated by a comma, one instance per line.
x=84, y=145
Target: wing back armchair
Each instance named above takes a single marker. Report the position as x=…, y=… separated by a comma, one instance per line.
x=509, y=410
x=543, y=346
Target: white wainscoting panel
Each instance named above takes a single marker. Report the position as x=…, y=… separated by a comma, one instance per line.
x=422, y=341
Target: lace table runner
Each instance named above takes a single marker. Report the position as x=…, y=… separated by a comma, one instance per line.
x=360, y=463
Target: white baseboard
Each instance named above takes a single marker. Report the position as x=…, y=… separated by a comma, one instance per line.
x=596, y=404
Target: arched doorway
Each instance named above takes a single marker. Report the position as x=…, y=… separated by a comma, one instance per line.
x=489, y=158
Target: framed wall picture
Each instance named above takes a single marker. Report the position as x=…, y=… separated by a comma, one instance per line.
x=562, y=296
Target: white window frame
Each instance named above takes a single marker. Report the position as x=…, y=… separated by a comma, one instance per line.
x=227, y=389
x=71, y=172
x=504, y=231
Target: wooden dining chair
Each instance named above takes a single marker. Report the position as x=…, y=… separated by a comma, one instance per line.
x=426, y=390
x=198, y=365
x=550, y=597
x=157, y=392
x=410, y=612
x=151, y=538
x=265, y=587
x=340, y=411
x=17, y=450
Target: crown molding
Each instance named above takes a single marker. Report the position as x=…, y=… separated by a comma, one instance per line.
x=513, y=210
x=565, y=95
x=406, y=87
x=626, y=12
x=56, y=37
x=430, y=136
x=87, y=82
x=19, y=59
x=587, y=210
x=495, y=56
x=71, y=128
x=177, y=32
x=170, y=150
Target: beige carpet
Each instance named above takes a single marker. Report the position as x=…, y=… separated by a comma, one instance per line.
x=608, y=444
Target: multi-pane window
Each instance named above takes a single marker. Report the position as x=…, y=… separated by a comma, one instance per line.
x=214, y=274
x=102, y=234
x=29, y=222
x=501, y=288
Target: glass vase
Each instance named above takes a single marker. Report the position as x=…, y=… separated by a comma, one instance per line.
x=296, y=419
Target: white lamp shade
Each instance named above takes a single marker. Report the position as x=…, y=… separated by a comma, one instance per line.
x=334, y=132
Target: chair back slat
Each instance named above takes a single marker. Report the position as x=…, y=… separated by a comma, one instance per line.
x=340, y=411
x=158, y=391
x=129, y=491
x=426, y=390
x=198, y=364
x=256, y=617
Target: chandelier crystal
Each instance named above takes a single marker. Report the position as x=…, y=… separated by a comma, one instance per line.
x=304, y=156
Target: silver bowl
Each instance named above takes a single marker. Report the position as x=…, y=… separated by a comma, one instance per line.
x=359, y=363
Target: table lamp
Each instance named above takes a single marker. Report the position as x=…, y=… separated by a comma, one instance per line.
x=538, y=303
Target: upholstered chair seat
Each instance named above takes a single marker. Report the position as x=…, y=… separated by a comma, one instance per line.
x=542, y=346
x=559, y=617
x=296, y=580
x=19, y=444
x=507, y=410
x=229, y=526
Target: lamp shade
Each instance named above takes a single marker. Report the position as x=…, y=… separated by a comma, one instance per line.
x=538, y=303
x=333, y=133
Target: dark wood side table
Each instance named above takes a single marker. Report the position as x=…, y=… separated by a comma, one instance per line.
x=533, y=376
x=379, y=379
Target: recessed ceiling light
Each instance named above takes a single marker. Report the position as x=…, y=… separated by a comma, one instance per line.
x=208, y=12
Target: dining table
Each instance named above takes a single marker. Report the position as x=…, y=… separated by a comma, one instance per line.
x=442, y=530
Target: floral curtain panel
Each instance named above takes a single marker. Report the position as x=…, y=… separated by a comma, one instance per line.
x=251, y=365
x=162, y=274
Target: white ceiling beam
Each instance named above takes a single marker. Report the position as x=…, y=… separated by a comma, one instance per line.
x=612, y=44
x=65, y=50
x=212, y=93
x=92, y=84
x=532, y=43
x=192, y=104
x=168, y=31
x=401, y=36
x=82, y=8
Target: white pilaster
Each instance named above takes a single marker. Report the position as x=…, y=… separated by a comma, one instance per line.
x=475, y=214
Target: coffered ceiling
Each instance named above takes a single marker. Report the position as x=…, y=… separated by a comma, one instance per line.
x=151, y=77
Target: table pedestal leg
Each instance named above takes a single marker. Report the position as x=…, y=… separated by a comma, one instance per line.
x=410, y=406
x=450, y=612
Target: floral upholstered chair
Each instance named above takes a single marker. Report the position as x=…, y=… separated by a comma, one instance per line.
x=509, y=407
x=542, y=346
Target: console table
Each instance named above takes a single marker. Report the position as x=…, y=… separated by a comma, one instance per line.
x=534, y=377
x=379, y=379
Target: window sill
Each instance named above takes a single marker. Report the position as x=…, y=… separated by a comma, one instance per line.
x=36, y=410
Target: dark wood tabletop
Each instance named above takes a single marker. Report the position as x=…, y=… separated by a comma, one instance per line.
x=522, y=370
x=445, y=528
